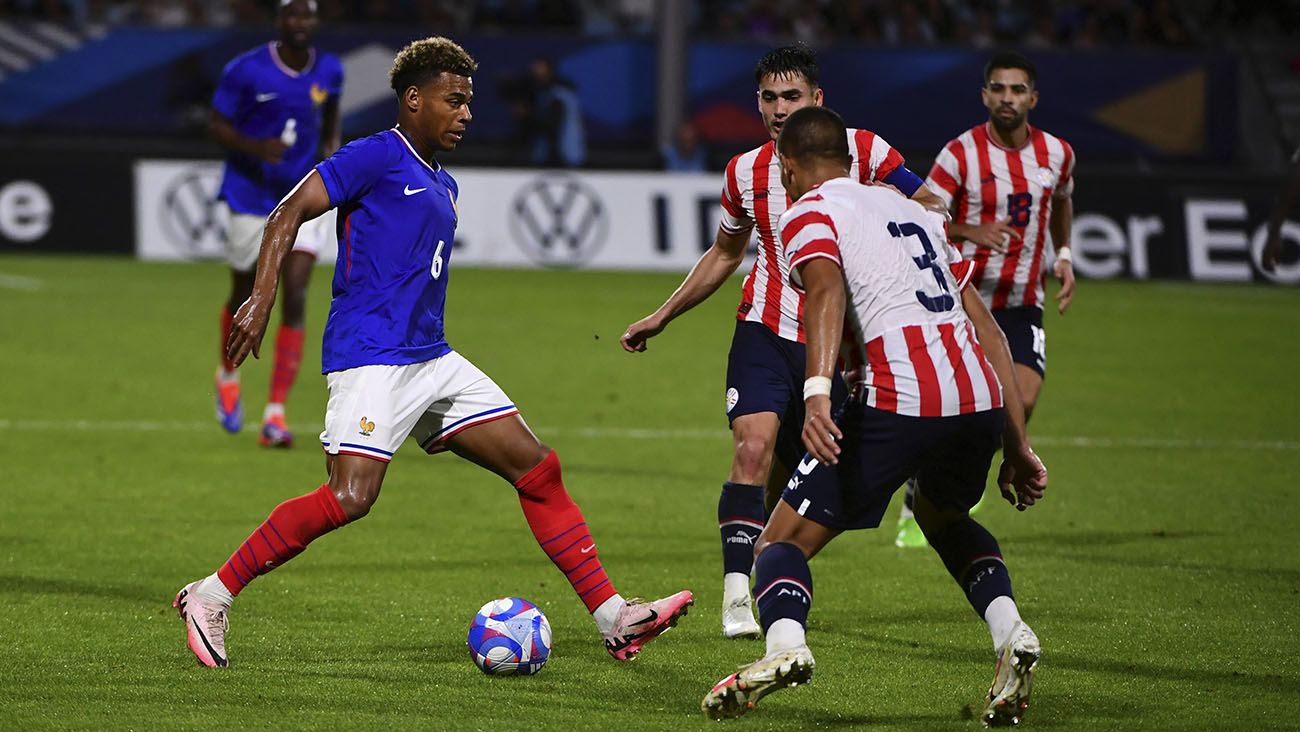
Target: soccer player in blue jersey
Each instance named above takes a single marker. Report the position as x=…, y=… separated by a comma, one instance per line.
x=390, y=370
x=276, y=112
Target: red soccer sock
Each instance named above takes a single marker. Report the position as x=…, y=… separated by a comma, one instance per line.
x=288, y=356
x=286, y=532
x=226, y=318
x=560, y=529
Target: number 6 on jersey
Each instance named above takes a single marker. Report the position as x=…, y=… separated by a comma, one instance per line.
x=435, y=269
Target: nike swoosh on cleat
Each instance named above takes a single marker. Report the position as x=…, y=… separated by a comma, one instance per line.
x=212, y=651
x=654, y=615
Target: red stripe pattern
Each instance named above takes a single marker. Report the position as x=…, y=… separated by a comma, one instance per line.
x=752, y=196
x=919, y=361
x=983, y=182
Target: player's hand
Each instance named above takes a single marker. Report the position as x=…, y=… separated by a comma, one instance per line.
x=820, y=433
x=272, y=150
x=1272, y=251
x=1022, y=478
x=246, y=330
x=635, y=337
x=995, y=235
x=1064, y=272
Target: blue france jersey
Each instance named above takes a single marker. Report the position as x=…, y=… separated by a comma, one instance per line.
x=397, y=217
x=264, y=98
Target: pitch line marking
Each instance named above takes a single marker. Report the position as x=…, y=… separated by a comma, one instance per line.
x=19, y=282
x=645, y=433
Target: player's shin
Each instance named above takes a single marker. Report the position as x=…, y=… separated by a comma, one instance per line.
x=974, y=559
x=740, y=521
x=559, y=527
x=291, y=526
x=783, y=592
x=288, y=357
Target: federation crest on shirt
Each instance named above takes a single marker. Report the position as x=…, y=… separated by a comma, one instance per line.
x=319, y=94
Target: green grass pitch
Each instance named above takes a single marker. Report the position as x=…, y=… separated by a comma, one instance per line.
x=1161, y=573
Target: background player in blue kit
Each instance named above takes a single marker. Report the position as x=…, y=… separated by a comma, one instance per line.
x=390, y=370
x=276, y=111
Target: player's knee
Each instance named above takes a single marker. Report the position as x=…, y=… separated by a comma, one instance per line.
x=753, y=459
x=355, y=496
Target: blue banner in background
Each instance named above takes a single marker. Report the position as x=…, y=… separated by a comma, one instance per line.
x=1112, y=106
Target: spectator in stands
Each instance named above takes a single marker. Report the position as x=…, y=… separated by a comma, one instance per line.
x=559, y=138
x=685, y=153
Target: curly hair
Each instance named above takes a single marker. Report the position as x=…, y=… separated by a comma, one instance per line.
x=422, y=61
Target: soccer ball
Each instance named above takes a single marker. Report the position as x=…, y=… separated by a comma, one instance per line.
x=509, y=636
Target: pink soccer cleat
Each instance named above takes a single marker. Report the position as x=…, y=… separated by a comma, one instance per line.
x=205, y=626
x=640, y=622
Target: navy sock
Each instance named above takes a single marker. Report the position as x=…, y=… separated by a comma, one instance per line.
x=740, y=520
x=782, y=585
x=974, y=559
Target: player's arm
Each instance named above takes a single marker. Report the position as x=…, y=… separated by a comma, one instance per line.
x=1285, y=203
x=307, y=201
x=1060, y=226
x=1022, y=477
x=823, y=322
x=710, y=271
x=271, y=149
x=331, y=128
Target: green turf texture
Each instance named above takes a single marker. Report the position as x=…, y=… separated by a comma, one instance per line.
x=1161, y=572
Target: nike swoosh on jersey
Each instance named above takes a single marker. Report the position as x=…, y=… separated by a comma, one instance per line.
x=411, y=192
x=266, y=97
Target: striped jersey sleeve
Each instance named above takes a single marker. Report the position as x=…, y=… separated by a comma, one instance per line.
x=875, y=157
x=735, y=219
x=808, y=232
x=947, y=177
x=1065, y=188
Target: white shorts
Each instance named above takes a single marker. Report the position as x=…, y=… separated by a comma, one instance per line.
x=244, y=238
x=372, y=409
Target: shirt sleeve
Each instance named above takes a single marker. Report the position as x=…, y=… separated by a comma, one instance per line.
x=351, y=172
x=948, y=174
x=336, y=79
x=877, y=159
x=735, y=219
x=232, y=91
x=1065, y=188
x=808, y=232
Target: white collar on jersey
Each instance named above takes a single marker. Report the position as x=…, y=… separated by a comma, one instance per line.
x=407, y=142
x=275, y=56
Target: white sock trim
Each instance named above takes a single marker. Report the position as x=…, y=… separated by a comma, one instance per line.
x=784, y=635
x=211, y=588
x=735, y=585
x=1002, y=616
x=607, y=614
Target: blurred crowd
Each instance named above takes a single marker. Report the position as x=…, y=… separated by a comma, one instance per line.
x=970, y=23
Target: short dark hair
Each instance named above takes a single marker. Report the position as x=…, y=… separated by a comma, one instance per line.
x=814, y=132
x=1011, y=60
x=788, y=60
x=422, y=61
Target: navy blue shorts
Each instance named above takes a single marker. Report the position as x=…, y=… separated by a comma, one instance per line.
x=950, y=457
x=765, y=373
x=1023, y=327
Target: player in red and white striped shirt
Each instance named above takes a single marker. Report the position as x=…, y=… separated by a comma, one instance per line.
x=876, y=270
x=765, y=365
x=1008, y=182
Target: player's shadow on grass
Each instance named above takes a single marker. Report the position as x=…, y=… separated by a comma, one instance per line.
x=1090, y=539
x=1122, y=668
x=19, y=585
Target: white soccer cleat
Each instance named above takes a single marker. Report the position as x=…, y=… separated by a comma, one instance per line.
x=1013, y=679
x=205, y=626
x=738, y=619
x=739, y=692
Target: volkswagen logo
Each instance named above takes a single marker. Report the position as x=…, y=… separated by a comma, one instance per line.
x=191, y=217
x=559, y=220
